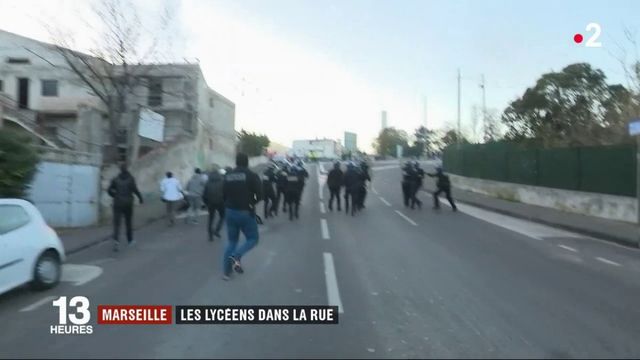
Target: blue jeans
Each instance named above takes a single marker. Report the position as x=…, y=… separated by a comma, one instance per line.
x=237, y=221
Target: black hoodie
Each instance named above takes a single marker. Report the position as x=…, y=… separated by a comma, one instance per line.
x=122, y=189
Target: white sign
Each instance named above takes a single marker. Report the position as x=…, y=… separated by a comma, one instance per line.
x=634, y=127
x=151, y=125
x=399, y=150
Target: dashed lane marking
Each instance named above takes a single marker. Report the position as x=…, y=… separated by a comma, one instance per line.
x=333, y=294
x=407, y=218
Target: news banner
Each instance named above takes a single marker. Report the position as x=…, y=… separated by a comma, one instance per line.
x=74, y=315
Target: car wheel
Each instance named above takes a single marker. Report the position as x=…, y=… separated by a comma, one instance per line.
x=47, y=271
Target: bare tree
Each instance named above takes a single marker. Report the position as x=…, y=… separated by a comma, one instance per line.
x=628, y=56
x=114, y=70
x=491, y=126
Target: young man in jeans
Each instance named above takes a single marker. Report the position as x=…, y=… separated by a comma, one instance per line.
x=242, y=191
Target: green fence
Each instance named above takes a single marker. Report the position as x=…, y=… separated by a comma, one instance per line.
x=599, y=169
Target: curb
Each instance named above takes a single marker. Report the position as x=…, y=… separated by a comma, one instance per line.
x=588, y=232
x=99, y=240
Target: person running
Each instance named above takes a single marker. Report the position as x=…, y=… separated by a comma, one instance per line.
x=195, y=189
x=281, y=184
x=407, y=176
x=242, y=191
x=293, y=192
x=444, y=186
x=335, y=181
x=351, y=189
x=364, y=177
x=270, y=205
x=213, y=197
x=122, y=189
x=171, y=195
x=416, y=184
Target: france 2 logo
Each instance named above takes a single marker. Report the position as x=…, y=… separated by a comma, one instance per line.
x=75, y=311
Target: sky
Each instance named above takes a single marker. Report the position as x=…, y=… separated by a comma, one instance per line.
x=299, y=69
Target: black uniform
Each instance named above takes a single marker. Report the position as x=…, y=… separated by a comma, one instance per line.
x=335, y=181
x=122, y=189
x=270, y=205
x=293, y=192
x=416, y=182
x=213, y=197
x=352, y=185
x=364, y=177
x=444, y=186
x=242, y=189
x=407, y=181
x=281, y=184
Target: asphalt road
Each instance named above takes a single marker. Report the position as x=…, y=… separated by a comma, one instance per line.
x=410, y=283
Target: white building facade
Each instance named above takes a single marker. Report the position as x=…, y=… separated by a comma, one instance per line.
x=319, y=148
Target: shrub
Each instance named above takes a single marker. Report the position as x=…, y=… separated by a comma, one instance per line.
x=18, y=162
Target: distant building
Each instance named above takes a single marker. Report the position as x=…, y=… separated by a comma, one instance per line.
x=350, y=142
x=319, y=148
x=383, y=116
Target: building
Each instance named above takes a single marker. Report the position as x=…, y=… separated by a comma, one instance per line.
x=350, y=142
x=383, y=118
x=319, y=148
x=40, y=94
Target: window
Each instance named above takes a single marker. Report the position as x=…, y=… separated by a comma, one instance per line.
x=1, y=86
x=155, y=92
x=12, y=217
x=49, y=87
x=18, y=61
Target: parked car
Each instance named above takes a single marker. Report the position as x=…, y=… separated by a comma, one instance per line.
x=30, y=250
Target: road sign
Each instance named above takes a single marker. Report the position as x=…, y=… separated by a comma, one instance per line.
x=634, y=127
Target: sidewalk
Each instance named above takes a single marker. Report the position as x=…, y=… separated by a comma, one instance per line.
x=77, y=239
x=616, y=231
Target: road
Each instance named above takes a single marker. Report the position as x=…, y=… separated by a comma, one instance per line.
x=410, y=283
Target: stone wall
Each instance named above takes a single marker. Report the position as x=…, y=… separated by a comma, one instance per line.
x=611, y=207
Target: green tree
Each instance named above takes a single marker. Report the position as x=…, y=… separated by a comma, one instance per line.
x=424, y=143
x=572, y=107
x=386, y=142
x=451, y=138
x=18, y=162
x=252, y=144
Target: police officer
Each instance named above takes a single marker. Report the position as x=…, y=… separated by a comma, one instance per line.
x=417, y=180
x=293, y=191
x=303, y=173
x=407, y=179
x=281, y=184
x=352, y=188
x=268, y=179
x=444, y=186
x=335, y=180
x=242, y=191
x=364, y=177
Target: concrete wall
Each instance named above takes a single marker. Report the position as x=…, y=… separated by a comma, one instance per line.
x=599, y=205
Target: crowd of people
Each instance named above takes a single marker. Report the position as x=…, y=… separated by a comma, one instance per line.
x=234, y=194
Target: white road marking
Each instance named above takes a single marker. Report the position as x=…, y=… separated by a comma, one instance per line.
x=607, y=261
x=322, y=209
x=325, y=229
x=385, y=201
x=569, y=248
x=407, y=218
x=333, y=294
x=373, y=190
x=524, y=227
x=80, y=274
x=38, y=303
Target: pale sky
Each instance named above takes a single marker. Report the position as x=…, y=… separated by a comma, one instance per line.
x=314, y=68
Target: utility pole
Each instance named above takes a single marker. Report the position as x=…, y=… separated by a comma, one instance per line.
x=459, y=130
x=484, y=103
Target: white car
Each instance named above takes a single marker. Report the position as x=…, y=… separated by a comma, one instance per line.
x=30, y=251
